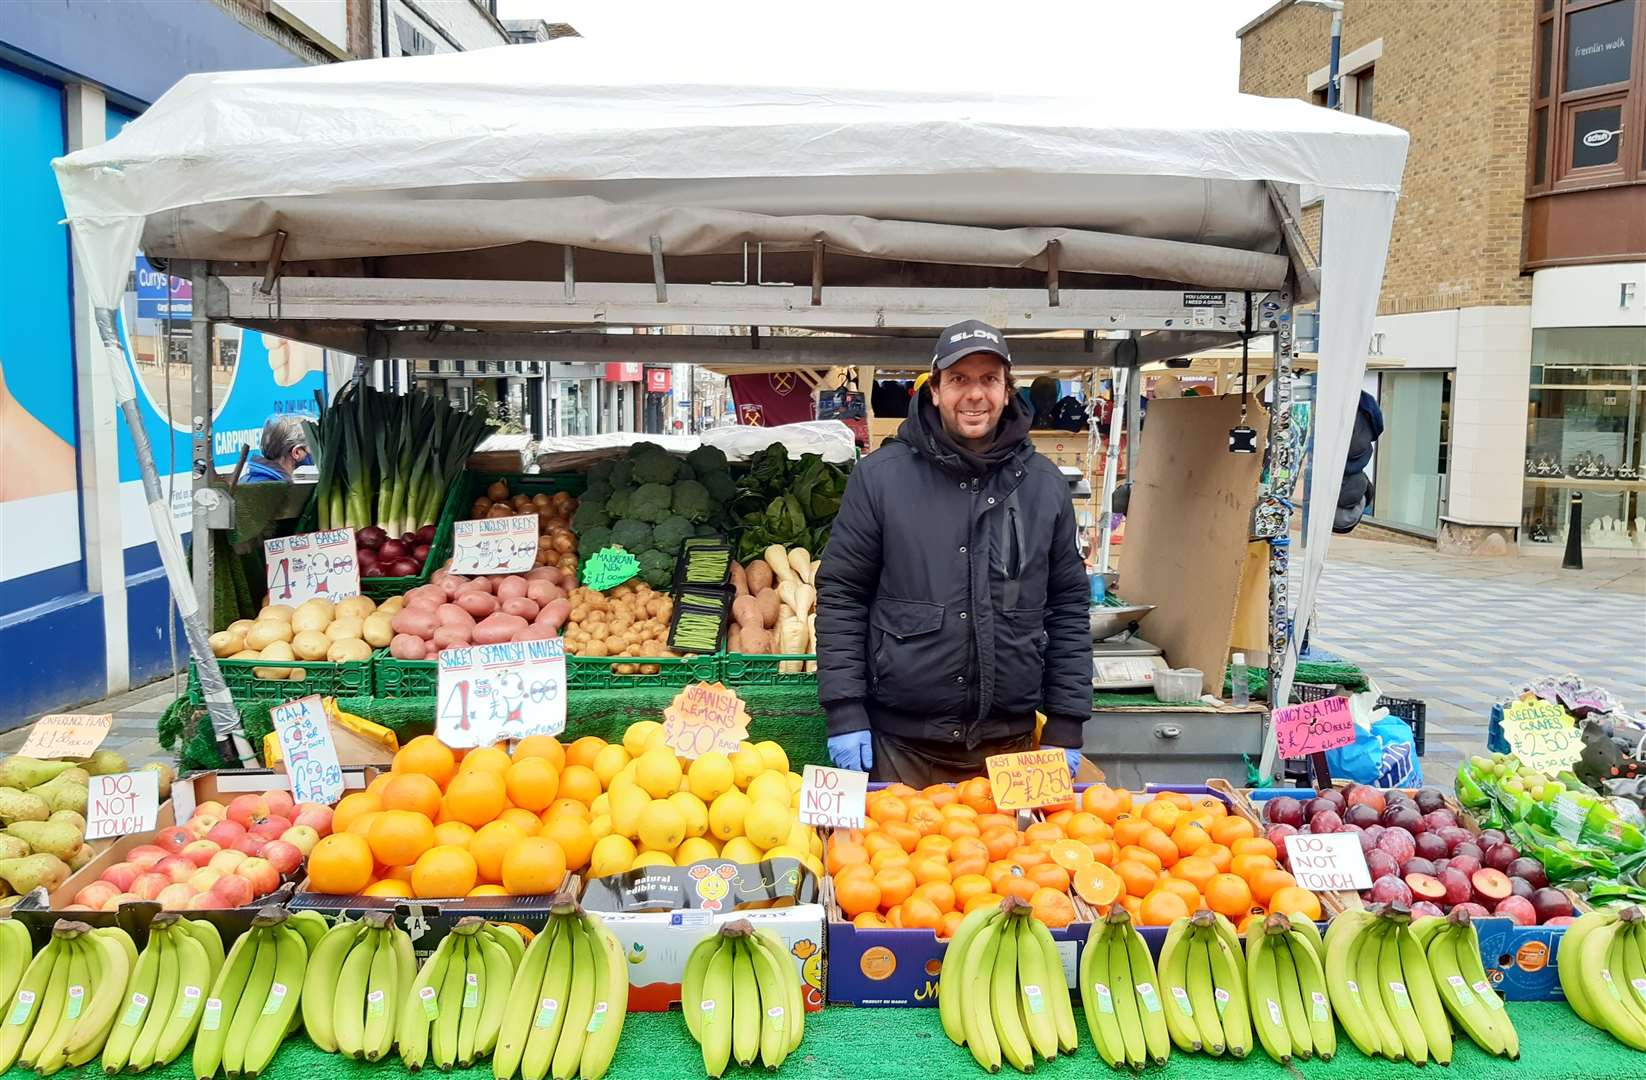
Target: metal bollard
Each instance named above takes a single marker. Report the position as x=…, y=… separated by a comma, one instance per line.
x=1573, y=559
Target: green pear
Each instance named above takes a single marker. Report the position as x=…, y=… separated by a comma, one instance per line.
x=50, y=837
x=105, y=762
x=27, y=772
x=34, y=872
x=22, y=806
x=166, y=775
x=82, y=857
x=70, y=816
x=12, y=848
x=63, y=793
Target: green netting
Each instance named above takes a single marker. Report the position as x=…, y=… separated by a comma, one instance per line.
x=1322, y=673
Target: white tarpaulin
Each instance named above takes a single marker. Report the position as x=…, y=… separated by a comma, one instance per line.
x=603, y=147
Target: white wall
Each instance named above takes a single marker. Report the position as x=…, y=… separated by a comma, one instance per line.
x=1609, y=295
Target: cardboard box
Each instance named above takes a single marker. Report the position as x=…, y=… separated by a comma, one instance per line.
x=657, y=944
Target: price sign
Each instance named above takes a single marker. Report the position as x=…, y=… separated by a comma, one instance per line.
x=833, y=797
x=502, y=545
x=66, y=735
x=705, y=717
x=307, y=750
x=1330, y=862
x=1542, y=735
x=1030, y=779
x=608, y=568
x=310, y=565
x=488, y=693
x=1313, y=727
x=120, y=804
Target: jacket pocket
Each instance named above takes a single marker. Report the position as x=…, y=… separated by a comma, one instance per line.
x=911, y=655
x=1019, y=659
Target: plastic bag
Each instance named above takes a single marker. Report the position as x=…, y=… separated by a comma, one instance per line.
x=1384, y=753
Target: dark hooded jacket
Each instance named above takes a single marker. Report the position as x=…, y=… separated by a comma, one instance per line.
x=952, y=600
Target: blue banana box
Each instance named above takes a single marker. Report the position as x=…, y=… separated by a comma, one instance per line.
x=1520, y=960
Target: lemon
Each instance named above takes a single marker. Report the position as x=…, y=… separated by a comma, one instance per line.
x=662, y=826
x=658, y=772
x=747, y=764
x=608, y=762
x=784, y=851
x=625, y=775
x=815, y=843
x=740, y=849
x=611, y=855
x=711, y=776
x=815, y=865
x=642, y=736
x=693, y=849
x=600, y=826
x=653, y=858
x=800, y=836
x=627, y=805
x=773, y=755
x=692, y=809
x=767, y=823
x=726, y=815
x=795, y=781
x=602, y=805
x=770, y=787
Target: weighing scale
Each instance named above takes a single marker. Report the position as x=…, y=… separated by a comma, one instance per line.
x=1120, y=659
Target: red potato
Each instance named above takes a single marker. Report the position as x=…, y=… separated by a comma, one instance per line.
x=498, y=628
x=554, y=613
x=541, y=592
x=408, y=647
x=551, y=574
x=453, y=635
x=478, y=584
x=416, y=621
x=526, y=609
x=433, y=593
x=512, y=587
x=453, y=615
x=452, y=585
x=478, y=604
x=537, y=633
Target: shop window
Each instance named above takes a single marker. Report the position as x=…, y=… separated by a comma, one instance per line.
x=1540, y=169
x=1363, y=92
x=1599, y=43
x=1596, y=136
x=1588, y=102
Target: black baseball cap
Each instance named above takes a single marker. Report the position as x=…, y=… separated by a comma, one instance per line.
x=965, y=338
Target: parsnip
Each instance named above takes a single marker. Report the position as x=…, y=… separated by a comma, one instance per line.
x=805, y=600
x=801, y=561
x=791, y=639
x=786, y=593
x=778, y=560
x=811, y=640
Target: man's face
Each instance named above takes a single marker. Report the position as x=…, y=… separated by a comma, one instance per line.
x=970, y=397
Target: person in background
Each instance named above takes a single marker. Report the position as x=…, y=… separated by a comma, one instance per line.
x=952, y=600
x=284, y=448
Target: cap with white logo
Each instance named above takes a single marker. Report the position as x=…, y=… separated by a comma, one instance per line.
x=965, y=338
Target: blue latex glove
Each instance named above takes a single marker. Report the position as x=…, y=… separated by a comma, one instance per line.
x=851, y=751
x=1074, y=757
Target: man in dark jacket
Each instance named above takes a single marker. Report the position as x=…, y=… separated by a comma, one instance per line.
x=952, y=601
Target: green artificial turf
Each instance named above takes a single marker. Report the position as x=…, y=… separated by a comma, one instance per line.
x=904, y=1044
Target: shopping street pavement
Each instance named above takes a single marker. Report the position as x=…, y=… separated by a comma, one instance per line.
x=1458, y=632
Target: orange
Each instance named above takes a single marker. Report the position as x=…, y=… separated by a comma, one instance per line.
x=1162, y=846
x=939, y=795
x=411, y=791
x=1226, y=830
x=398, y=873
x=894, y=916
x=574, y=838
x=1052, y=907
x=1000, y=841
x=476, y=796
x=487, y=890
x=452, y=832
x=1189, y=837
x=920, y=914
x=1209, y=804
x=968, y=847
x=1026, y=857
x=1142, y=855
x=870, y=920
x=1245, y=924
x=889, y=808
x=1104, y=851
x=968, y=864
x=956, y=827
x=1049, y=875
x=931, y=869
x=1220, y=856
x=1197, y=870
x=524, y=820
x=950, y=923
x=987, y=821
x=977, y=794
x=400, y=836
x=940, y=893
x=1266, y=883
x=1228, y=894
x=582, y=751
x=361, y=826
x=534, y=866
x=1106, y=802
x=1186, y=890
x=925, y=817
x=491, y=758
x=856, y=897
x=897, y=884
x=1133, y=906
x=1098, y=885
x=388, y=887
x=489, y=846
x=892, y=856
x=378, y=783
x=1042, y=831
x=1175, y=798
x=564, y=806
x=579, y=782
x=543, y=746
x=1138, y=877
x=934, y=844
x=1071, y=854
x=1255, y=845
x=1295, y=900
x=843, y=853
x=967, y=886
x=959, y=810
x=899, y=790
x=351, y=806
x=340, y=865
x=1061, y=818
x=443, y=872
x=1161, y=814
x=1087, y=827
x=427, y=755
x=1129, y=830
x=1245, y=866
x=983, y=900
x=1020, y=887
x=1162, y=908
x=877, y=841
x=905, y=834
x=532, y=783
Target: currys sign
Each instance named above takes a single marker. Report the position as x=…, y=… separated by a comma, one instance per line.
x=161, y=296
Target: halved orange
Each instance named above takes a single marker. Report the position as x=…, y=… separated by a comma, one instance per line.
x=1071, y=854
x=1097, y=884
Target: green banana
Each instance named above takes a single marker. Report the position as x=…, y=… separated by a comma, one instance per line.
x=611, y=1004
x=1289, y=989
x=509, y=938
x=496, y=979
x=1034, y=991
x=1397, y=997
x=422, y=1006
x=273, y=1021
x=525, y=991
x=320, y=981
x=50, y=1005
x=443, y=1035
x=16, y=950
x=1097, y=997
x=1606, y=1000
x=549, y=1012
x=1175, y=953
x=568, y=1051
x=144, y=1048
x=348, y=1017
x=773, y=1004
x=1465, y=1006
x=1420, y=984
x=110, y=958
x=976, y=1014
x=1125, y=994
x=1263, y=980
x=949, y=990
x=1229, y=988
x=715, y=1008
x=1152, y=1009
x=691, y=981
x=194, y=979
x=1344, y=940
x=1317, y=1004
x=1311, y=934
x=1199, y=991
x=226, y=991
x=53, y=1054
x=1056, y=987
x=795, y=1010
x=258, y=991
x=1369, y=983
x=1015, y=1047
x=474, y=993
x=24, y=1004
x=141, y=1001
x=311, y=925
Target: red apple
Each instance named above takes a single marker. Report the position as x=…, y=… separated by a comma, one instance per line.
x=175, y=897
x=313, y=815
x=261, y=873
x=201, y=852
x=248, y=810
x=173, y=839
x=175, y=867
x=284, y=856
x=1517, y=908
x=201, y=824
x=95, y=895
x=251, y=844
x=225, y=862
x=121, y=875
x=77, y=907
x=113, y=903
x=146, y=855
x=148, y=886
x=279, y=801
x=212, y=807
x=301, y=837
x=1563, y=920
x=203, y=879
x=225, y=833
x=233, y=891
x=271, y=827
x=205, y=901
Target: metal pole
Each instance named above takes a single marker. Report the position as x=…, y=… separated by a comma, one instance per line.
x=1111, y=459
x=1333, y=95
x=200, y=373
x=1274, y=515
x=1574, y=535
x=1134, y=418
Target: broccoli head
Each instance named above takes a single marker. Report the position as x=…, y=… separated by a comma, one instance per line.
x=631, y=535
x=655, y=467
x=656, y=568
x=589, y=515
x=601, y=471
x=707, y=532
x=622, y=474
x=617, y=503
x=721, y=487
x=672, y=534
x=592, y=540
x=598, y=491
x=691, y=501
x=651, y=502
x=707, y=460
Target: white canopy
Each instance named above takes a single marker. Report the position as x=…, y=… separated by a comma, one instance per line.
x=600, y=147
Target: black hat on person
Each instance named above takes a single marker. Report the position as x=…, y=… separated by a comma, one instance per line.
x=965, y=338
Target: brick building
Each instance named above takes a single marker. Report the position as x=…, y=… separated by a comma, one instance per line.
x=1511, y=330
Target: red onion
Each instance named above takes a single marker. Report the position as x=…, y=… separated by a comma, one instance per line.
x=370, y=538
x=401, y=568
x=367, y=558
x=420, y=552
x=425, y=535
x=409, y=539
x=392, y=550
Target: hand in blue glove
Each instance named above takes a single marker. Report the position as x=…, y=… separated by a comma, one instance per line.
x=851, y=751
x=1074, y=758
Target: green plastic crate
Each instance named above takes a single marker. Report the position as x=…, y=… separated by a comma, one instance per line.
x=382, y=588
x=743, y=669
x=393, y=678
x=352, y=679
x=595, y=672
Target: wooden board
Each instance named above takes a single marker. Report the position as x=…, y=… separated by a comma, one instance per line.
x=1251, y=629
x=1188, y=527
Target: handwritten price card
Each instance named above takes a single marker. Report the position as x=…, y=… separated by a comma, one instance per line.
x=310, y=565
x=833, y=797
x=1031, y=779
x=609, y=568
x=1328, y=861
x=502, y=545
x=1542, y=735
x=1313, y=727
x=306, y=747
x=120, y=804
x=66, y=735
x=489, y=693
x=705, y=717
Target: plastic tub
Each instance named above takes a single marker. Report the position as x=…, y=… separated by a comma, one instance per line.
x=1178, y=684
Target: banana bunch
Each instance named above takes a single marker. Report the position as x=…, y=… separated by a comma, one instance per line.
x=253, y=1002
x=741, y=998
x=68, y=998
x=1203, y=972
x=566, y=1008
x=356, y=986
x=452, y=1008
x=1001, y=992
x=1286, y=986
x=176, y=969
x=1452, y=948
x=1118, y=989
x=1602, y=963
x=1382, y=988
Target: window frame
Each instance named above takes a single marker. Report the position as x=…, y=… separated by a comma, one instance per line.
x=1559, y=107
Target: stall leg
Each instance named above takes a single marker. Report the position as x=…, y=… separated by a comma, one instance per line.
x=202, y=472
x=1574, y=535
x=1274, y=515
